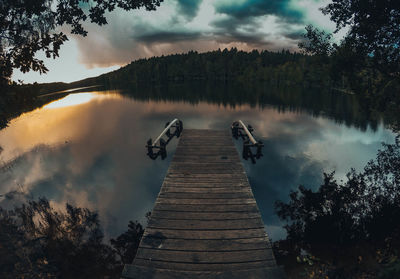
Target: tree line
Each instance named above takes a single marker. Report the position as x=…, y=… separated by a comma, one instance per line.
x=279, y=68
x=339, y=71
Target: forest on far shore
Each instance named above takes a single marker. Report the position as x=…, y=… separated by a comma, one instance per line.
x=278, y=68
x=376, y=90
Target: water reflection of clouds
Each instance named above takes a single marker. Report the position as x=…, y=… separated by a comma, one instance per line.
x=71, y=100
x=45, y=126
x=284, y=165
x=93, y=154
x=298, y=149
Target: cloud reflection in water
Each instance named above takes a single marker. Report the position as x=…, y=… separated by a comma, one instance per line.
x=88, y=149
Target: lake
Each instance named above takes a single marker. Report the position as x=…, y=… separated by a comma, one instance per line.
x=88, y=148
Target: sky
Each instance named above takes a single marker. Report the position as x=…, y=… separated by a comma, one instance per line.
x=178, y=26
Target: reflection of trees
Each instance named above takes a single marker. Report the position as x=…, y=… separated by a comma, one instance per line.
x=291, y=81
x=16, y=100
x=353, y=224
x=343, y=108
x=38, y=241
x=340, y=70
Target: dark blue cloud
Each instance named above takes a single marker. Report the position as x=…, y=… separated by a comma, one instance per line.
x=254, y=8
x=240, y=25
x=242, y=22
x=294, y=35
x=189, y=8
x=166, y=37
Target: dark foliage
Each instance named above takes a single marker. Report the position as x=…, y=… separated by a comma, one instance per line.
x=277, y=68
x=29, y=26
x=318, y=42
x=37, y=241
x=367, y=60
x=374, y=29
x=372, y=41
x=127, y=243
x=351, y=224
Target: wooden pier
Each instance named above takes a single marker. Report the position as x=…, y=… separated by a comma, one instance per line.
x=205, y=222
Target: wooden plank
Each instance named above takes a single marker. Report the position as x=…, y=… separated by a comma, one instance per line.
x=195, y=195
x=206, y=244
x=193, y=182
x=202, y=165
x=206, y=178
x=203, y=183
x=182, y=215
x=202, y=158
x=204, y=257
x=205, y=222
x=250, y=207
x=168, y=201
x=191, y=167
x=232, y=271
x=187, y=177
x=248, y=223
x=205, y=267
x=209, y=151
x=205, y=190
x=206, y=234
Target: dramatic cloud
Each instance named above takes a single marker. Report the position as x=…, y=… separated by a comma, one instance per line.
x=181, y=25
x=254, y=8
x=189, y=8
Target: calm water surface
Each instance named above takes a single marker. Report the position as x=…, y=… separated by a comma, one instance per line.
x=87, y=149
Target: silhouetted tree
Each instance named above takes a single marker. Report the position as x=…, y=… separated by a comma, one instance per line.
x=29, y=26
x=317, y=42
x=374, y=29
x=343, y=222
x=373, y=34
x=127, y=243
x=38, y=241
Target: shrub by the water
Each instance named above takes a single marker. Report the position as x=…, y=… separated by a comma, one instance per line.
x=38, y=241
x=347, y=229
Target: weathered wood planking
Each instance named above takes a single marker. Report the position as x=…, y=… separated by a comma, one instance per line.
x=205, y=222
